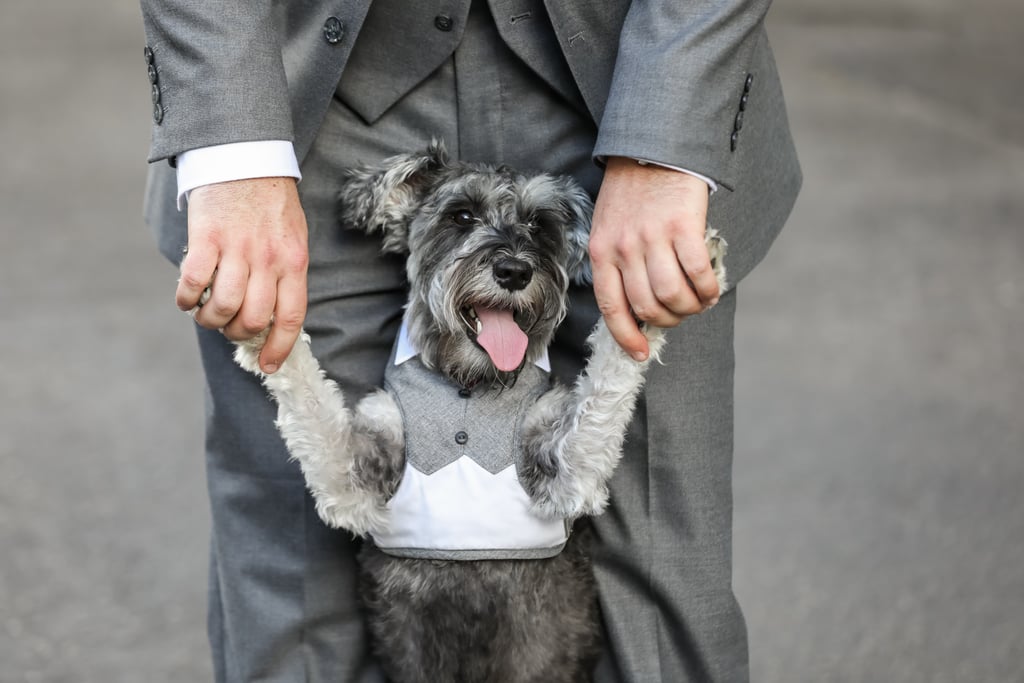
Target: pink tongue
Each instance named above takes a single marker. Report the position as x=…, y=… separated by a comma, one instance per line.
x=501, y=338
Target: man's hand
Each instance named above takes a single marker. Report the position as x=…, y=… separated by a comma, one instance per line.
x=253, y=234
x=647, y=250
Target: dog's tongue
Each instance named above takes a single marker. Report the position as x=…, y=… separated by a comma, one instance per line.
x=501, y=338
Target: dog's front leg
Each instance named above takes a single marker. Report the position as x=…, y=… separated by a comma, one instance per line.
x=573, y=439
x=332, y=446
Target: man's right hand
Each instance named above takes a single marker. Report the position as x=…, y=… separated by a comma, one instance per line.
x=252, y=233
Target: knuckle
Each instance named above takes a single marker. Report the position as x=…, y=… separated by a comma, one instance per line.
x=645, y=312
x=193, y=281
x=252, y=325
x=698, y=267
x=289, y=320
x=222, y=309
x=609, y=309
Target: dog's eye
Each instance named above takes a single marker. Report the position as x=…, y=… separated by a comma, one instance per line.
x=463, y=218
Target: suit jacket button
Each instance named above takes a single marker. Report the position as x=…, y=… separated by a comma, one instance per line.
x=749, y=82
x=158, y=112
x=733, y=140
x=155, y=94
x=148, y=53
x=334, y=30
x=739, y=121
x=461, y=438
x=152, y=74
x=743, y=102
x=443, y=22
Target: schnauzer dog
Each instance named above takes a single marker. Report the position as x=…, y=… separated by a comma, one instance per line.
x=466, y=472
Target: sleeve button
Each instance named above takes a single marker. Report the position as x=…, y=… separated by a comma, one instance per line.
x=443, y=22
x=334, y=30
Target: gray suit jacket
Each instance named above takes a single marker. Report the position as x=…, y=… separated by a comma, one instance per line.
x=675, y=81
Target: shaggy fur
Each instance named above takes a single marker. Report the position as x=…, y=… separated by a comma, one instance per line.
x=473, y=236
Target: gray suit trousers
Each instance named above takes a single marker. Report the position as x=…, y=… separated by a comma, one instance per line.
x=283, y=605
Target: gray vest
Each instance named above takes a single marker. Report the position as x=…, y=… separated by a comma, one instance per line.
x=460, y=496
x=394, y=53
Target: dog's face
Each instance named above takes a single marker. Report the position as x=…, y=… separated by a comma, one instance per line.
x=490, y=255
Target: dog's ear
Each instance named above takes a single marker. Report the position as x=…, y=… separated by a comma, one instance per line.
x=578, y=208
x=384, y=198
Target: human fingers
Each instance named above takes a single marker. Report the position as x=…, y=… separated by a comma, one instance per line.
x=670, y=287
x=257, y=307
x=611, y=301
x=289, y=314
x=197, y=269
x=227, y=291
x=693, y=256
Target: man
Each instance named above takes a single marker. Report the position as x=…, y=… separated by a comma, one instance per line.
x=678, y=100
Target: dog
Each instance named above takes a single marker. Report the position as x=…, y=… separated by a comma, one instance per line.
x=466, y=472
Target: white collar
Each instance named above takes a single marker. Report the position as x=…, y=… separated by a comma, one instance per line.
x=405, y=350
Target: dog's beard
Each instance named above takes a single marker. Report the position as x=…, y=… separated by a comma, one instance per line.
x=474, y=332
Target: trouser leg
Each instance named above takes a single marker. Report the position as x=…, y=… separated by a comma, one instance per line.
x=664, y=546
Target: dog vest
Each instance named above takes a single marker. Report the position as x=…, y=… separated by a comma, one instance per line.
x=460, y=497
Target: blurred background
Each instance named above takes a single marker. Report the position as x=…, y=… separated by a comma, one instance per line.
x=879, y=472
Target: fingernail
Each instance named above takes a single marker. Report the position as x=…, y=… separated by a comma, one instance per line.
x=270, y=368
x=713, y=302
x=639, y=356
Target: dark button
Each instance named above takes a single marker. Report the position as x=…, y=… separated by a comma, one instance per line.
x=158, y=112
x=155, y=93
x=333, y=30
x=443, y=22
x=739, y=121
x=743, y=102
x=750, y=82
x=148, y=53
x=461, y=438
x=733, y=140
x=465, y=393
x=152, y=73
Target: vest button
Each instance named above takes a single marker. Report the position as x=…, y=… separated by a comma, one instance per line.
x=333, y=30
x=443, y=22
x=461, y=438
x=465, y=393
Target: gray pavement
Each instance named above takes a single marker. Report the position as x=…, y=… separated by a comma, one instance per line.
x=880, y=380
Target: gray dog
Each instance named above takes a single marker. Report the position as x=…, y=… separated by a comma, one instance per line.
x=467, y=471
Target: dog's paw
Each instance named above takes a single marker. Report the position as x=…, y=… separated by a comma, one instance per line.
x=655, y=340
x=717, y=248
x=247, y=353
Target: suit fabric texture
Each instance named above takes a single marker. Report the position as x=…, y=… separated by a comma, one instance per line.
x=545, y=85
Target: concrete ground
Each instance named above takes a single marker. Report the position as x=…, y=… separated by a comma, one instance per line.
x=880, y=444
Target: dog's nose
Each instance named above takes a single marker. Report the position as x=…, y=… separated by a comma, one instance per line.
x=513, y=274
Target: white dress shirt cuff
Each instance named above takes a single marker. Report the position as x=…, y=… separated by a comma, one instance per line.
x=235, y=161
x=712, y=185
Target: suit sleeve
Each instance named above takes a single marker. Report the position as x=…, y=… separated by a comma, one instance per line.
x=217, y=74
x=679, y=77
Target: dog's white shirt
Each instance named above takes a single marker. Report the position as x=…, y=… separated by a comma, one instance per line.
x=466, y=502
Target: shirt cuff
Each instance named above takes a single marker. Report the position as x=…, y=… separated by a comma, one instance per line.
x=712, y=185
x=235, y=161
